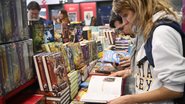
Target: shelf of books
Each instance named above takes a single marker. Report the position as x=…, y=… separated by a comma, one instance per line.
x=16, y=49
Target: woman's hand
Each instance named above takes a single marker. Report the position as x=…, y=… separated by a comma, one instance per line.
x=123, y=73
x=127, y=99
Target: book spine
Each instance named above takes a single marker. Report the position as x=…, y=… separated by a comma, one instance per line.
x=19, y=48
x=20, y=19
x=43, y=75
x=38, y=72
x=24, y=19
x=9, y=70
x=1, y=70
x=30, y=73
x=14, y=19
x=16, y=66
x=7, y=20
x=1, y=24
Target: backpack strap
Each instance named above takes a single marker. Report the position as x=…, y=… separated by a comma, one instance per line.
x=148, y=44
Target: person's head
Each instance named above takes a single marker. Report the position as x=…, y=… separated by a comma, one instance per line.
x=34, y=9
x=63, y=14
x=116, y=22
x=137, y=14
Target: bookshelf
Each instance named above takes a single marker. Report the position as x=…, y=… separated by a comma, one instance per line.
x=13, y=93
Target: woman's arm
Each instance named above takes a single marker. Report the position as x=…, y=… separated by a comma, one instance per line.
x=157, y=95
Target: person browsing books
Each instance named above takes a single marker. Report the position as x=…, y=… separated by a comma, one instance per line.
x=162, y=83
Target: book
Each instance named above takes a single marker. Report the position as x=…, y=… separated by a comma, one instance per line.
x=1, y=24
x=56, y=73
x=27, y=55
x=8, y=31
x=99, y=89
x=40, y=72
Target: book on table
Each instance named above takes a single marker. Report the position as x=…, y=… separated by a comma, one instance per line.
x=102, y=89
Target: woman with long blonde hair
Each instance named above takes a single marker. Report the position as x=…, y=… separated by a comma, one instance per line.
x=163, y=82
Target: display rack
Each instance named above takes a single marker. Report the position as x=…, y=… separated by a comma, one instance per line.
x=4, y=98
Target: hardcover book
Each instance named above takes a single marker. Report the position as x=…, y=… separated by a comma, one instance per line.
x=55, y=71
x=40, y=71
x=99, y=89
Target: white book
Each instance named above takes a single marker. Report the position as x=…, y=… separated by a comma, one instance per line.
x=99, y=89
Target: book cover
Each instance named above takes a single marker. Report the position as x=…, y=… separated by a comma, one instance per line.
x=56, y=73
x=65, y=57
x=53, y=47
x=70, y=56
x=85, y=51
x=37, y=32
x=99, y=89
x=48, y=31
x=58, y=32
x=77, y=55
x=8, y=31
x=45, y=48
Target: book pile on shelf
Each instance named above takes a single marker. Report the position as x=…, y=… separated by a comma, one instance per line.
x=62, y=67
x=16, y=49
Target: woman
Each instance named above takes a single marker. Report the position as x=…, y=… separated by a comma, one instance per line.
x=64, y=20
x=164, y=82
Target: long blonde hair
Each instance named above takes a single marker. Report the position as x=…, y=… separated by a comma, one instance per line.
x=143, y=11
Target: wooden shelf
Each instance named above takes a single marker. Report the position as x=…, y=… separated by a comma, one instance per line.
x=16, y=91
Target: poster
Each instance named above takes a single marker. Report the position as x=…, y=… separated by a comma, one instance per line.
x=73, y=12
x=87, y=9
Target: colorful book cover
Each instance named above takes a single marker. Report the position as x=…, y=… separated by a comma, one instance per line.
x=55, y=71
x=85, y=50
x=70, y=56
x=37, y=32
x=45, y=47
x=64, y=55
x=48, y=31
x=53, y=47
x=8, y=31
x=58, y=32
x=77, y=54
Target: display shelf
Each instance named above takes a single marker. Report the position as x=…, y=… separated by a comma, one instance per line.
x=4, y=98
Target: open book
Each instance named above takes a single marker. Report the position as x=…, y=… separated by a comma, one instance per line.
x=103, y=89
